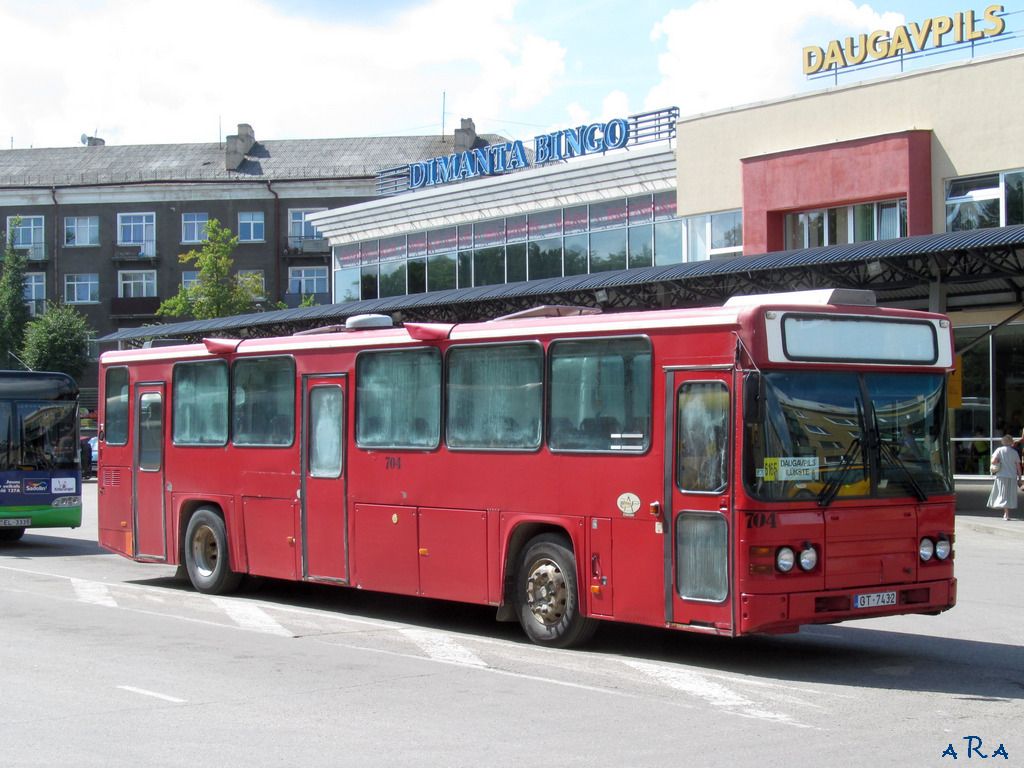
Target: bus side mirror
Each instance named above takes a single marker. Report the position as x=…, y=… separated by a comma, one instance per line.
x=753, y=397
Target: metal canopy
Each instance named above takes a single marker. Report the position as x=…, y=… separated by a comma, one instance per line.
x=975, y=268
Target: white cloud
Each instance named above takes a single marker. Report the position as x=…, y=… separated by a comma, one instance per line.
x=138, y=71
x=723, y=53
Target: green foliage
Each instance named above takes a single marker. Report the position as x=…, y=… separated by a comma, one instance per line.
x=14, y=314
x=216, y=293
x=57, y=341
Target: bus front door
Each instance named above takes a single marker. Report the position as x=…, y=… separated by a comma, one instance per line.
x=148, y=506
x=697, y=522
x=324, y=517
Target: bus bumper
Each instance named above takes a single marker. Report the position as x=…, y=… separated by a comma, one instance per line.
x=773, y=614
x=47, y=517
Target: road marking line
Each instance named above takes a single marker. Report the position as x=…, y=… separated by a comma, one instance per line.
x=714, y=693
x=250, y=616
x=442, y=648
x=93, y=592
x=154, y=694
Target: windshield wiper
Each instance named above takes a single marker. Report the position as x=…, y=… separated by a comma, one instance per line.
x=887, y=452
x=835, y=482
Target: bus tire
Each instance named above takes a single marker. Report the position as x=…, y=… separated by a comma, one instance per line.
x=547, y=595
x=206, y=554
x=11, y=534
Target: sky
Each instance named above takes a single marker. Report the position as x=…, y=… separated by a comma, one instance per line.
x=154, y=72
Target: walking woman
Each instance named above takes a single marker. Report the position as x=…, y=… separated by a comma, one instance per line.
x=1006, y=468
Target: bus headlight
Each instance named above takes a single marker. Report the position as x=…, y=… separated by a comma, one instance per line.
x=943, y=547
x=926, y=549
x=67, y=501
x=808, y=557
x=785, y=559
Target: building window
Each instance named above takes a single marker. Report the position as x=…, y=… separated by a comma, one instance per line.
x=258, y=273
x=250, y=227
x=305, y=280
x=137, y=229
x=136, y=284
x=977, y=202
x=81, y=230
x=713, y=235
x=189, y=278
x=27, y=234
x=81, y=289
x=193, y=227
x=299, y=229
x=859, y=223
x=35, y=292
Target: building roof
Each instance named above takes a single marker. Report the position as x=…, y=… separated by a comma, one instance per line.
x=901, y=272
x=641, y=170
x=272, y=160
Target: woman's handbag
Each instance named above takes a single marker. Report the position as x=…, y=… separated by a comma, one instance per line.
x=993, y=468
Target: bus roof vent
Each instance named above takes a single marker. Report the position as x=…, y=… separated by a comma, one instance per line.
x=850, y=296
x=364, y=322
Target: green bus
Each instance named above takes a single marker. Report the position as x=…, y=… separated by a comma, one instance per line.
x=40, y=454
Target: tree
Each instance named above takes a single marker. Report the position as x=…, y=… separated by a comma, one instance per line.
x=57, y=341
x=216, y=292
x=14, y=313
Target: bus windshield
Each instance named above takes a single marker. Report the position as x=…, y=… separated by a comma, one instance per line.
x=825, y=435
x=38, y=435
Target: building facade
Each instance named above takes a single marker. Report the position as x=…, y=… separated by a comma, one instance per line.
x=102, y=227
x=902, y=156
x=876, y=184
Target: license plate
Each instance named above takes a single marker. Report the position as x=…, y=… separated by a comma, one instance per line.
x=874, y=600
x=15, y=522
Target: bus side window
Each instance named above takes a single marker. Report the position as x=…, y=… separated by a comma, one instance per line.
x=200, y=403
x=495, y=397
x=398, y=399
x=115, y=426
x=600, y=395
x=702, y=419
x=263, y=401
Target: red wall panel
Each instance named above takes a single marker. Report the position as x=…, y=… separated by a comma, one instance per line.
x=875, y=168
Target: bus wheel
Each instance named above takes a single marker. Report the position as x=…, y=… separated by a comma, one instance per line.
x=206, y=554
x=547, y=595
x=11, y=534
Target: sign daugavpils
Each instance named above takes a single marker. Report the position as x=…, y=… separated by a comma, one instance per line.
x=936, y=32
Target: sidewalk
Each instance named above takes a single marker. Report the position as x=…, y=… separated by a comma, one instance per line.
x=971, y=511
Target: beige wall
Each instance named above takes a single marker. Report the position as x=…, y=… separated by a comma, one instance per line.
x=975, y=110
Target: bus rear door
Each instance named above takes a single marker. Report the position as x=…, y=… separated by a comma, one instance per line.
x=148, y=515
x=324, y=492
x=697, y=412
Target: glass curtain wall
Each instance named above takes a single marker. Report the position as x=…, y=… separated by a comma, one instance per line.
x=991, y=371
x=626, y=233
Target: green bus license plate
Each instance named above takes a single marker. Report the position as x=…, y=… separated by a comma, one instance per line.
x=874, y=600
x=15, y=522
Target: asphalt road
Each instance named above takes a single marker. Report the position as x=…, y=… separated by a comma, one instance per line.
x=112, y=663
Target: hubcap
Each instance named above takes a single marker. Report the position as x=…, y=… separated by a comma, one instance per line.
x=204, y=550
x=547, y=593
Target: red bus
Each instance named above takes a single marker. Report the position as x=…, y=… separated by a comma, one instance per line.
x=778, y=461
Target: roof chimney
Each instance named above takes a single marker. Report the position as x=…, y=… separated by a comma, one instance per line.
x=237, y=145
x=465, y=137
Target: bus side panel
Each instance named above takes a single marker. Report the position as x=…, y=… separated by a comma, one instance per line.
x=384, y=548
x=453, y=554
x=114, y=507
x=271, y=544
x=639, y=582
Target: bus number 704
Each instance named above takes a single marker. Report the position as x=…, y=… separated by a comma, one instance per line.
x=693, y=469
